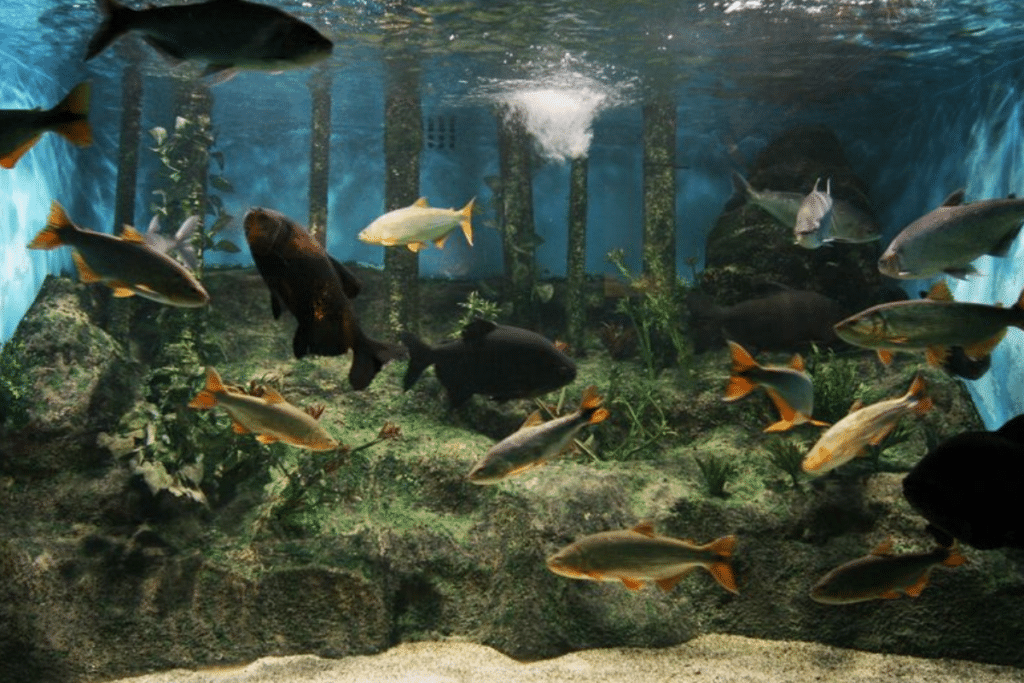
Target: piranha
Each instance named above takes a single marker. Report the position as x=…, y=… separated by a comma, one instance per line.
x=637, y=556
x=813, y=225
x=227, y=34
x=933, y=324
x=789, y=388
x=948, y=238
x=499, y=361
x=317, y=290
x=535, y=442
x=126, y=264
x=268, y=416
x=849, y=438
x=20, y=129
x=417, y=225
x=883, y=575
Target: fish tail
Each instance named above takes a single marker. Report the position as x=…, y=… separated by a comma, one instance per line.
x=739, y=386
x=421, y=357
x=58, y=227
x=466, y=220
x=1019, y=308
x=115, y=22
x=741, y=186
x=590, y=406
x=76, y=103
x=741, y=359
x=368, y=357
x=721, y=568
x=922, y=401
x=955, y=558
x=207, y=397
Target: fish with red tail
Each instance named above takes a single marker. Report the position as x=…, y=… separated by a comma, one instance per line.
x=20, y=129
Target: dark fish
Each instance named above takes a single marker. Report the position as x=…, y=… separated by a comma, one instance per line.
x=499, y=361
x=969, y=486
x=317, y=290
x=227, y=34
x=784, y=321
x=20, y=129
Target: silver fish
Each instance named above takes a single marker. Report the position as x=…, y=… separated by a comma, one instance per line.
x=813, y=225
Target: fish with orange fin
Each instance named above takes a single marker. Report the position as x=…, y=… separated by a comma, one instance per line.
x=536, y=441
x=883, y=575
x=267, y=415
x=933, y=324
x=638, y=556
x=849, y=438
x=789, y=388
x=20, y=129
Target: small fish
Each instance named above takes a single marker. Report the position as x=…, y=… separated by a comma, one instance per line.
x=417, y=225
x=268, y=415
x=789, y=388
x=849, y=438
x=126, y=264
x=499, y=361
x=637, y=556
x=20, y=129
x=882, y=575
x=933, y=324
x=180, y=243
x=948, y=238
x=535, y=441
x=227, y=34
x=813, y=225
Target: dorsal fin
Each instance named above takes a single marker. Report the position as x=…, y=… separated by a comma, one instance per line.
x=884, y=548
x=478, y=329
x=955, y=198
x=797, y=362
x=940, y=292
x=271, y=396
x=130, y=234
x=645, y=528
x=422, y=203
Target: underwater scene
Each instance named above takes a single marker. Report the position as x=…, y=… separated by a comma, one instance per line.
x=483, y=334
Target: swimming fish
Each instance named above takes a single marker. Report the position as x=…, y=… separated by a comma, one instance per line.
x=637, y=556
x=317, y=290
x=789, y=388
x=180, y=243
x=882, y=575
x=227, y=34
x=948, y=238
x=499, y=361
x=126, y=264
x=848, y=438
x=813, y=225
x=933, y=324
x=417, y=225
x=20, y=129
x=269, y=416
x=535, y=441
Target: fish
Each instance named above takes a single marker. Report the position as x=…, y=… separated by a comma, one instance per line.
x=226, y=34
x=849, y=438
x=788, y=320
x=947, y=239
x=536, y=442
x=813, y=225
x=789, y=388
x=499, y=361
x=882, y=575
x=418, y=224
x=317, y=290
x=126, y=264
x=933, y=324
x=969, y=486
x=20, y=129
x=637, y=556
x=268, y=415
x=180, y=243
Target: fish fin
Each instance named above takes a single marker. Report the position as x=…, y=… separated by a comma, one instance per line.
x=564, y=346
x=414, y=246
x=11, y=158
x=890, y=595
x=955, y=198
x=421, y=357
x=532, y=420
x=115, y=22
x=737, y=388
x=85, y=273
x=632, y=584
x=797, y=362
x=917, y=387
x=57, y=225
x=590, y=399
x=819, y=423
x=368, y=357
x=961, y=272
x=238, y=428
x=422, y=203
x=1002, y=247
x=477, y=329
x=270, y=396
x=439, y=242
x=600, y=415
x=222, y=72
x=918, y=586
x=466, y=220
x=780, y=426
x=940, y=292
x=350, y=284
x=855, y=406
x=786, y=411
x=815, y=460
x=741, y=358
x=121, y=290
x=645, y=527
x=955, y=558
x=266, y=438
x=207, y=396
x=885, y=356
x=130, y=234
x=722, y=547
x=883, y=549
x=77, y=104
x=936, y=356
x=984, y=348
x=879, y=436
x=670, y=582
x=722, y=571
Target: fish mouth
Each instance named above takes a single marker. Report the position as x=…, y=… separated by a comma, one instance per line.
x=558, y=566
x=479, y=475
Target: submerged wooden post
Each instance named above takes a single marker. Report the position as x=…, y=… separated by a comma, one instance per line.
x=515, y=151
x=659, y=210
x=319, y=154
x=403, y=138
x=576, y=259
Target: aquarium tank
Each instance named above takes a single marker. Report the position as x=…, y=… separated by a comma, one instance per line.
x=536, y=337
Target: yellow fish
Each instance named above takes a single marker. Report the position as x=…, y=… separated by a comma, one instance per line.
x=418, y=224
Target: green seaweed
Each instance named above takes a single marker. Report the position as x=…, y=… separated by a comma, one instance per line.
x=787, y=455
x=14, y=387
x=717, y=472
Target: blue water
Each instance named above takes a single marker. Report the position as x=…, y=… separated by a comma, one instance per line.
x=926, y=97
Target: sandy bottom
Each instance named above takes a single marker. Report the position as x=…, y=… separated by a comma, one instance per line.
x=708, y=659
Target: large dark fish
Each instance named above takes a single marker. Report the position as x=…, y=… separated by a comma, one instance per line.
x=316, y=289
x=969, y=486
x=499, y=361
x=784, y=321
x=20, y=129
x=227, y=34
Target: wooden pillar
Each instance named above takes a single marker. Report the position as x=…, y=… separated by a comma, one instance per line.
x=576, y=258
x=659, y=210
x=319, y=154
x=515, y=151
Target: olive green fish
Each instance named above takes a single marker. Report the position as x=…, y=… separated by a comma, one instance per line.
x=637, y=556
x=269, y=416
x=883, y=575
x=20, y=129
x=536, y=442
x=933, y=324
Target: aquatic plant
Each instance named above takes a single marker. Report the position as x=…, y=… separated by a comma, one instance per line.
x=787, y=455
x=837, y=381
x=14, y=387
x=476, y=306
x=717, y=472
x=638, y=417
